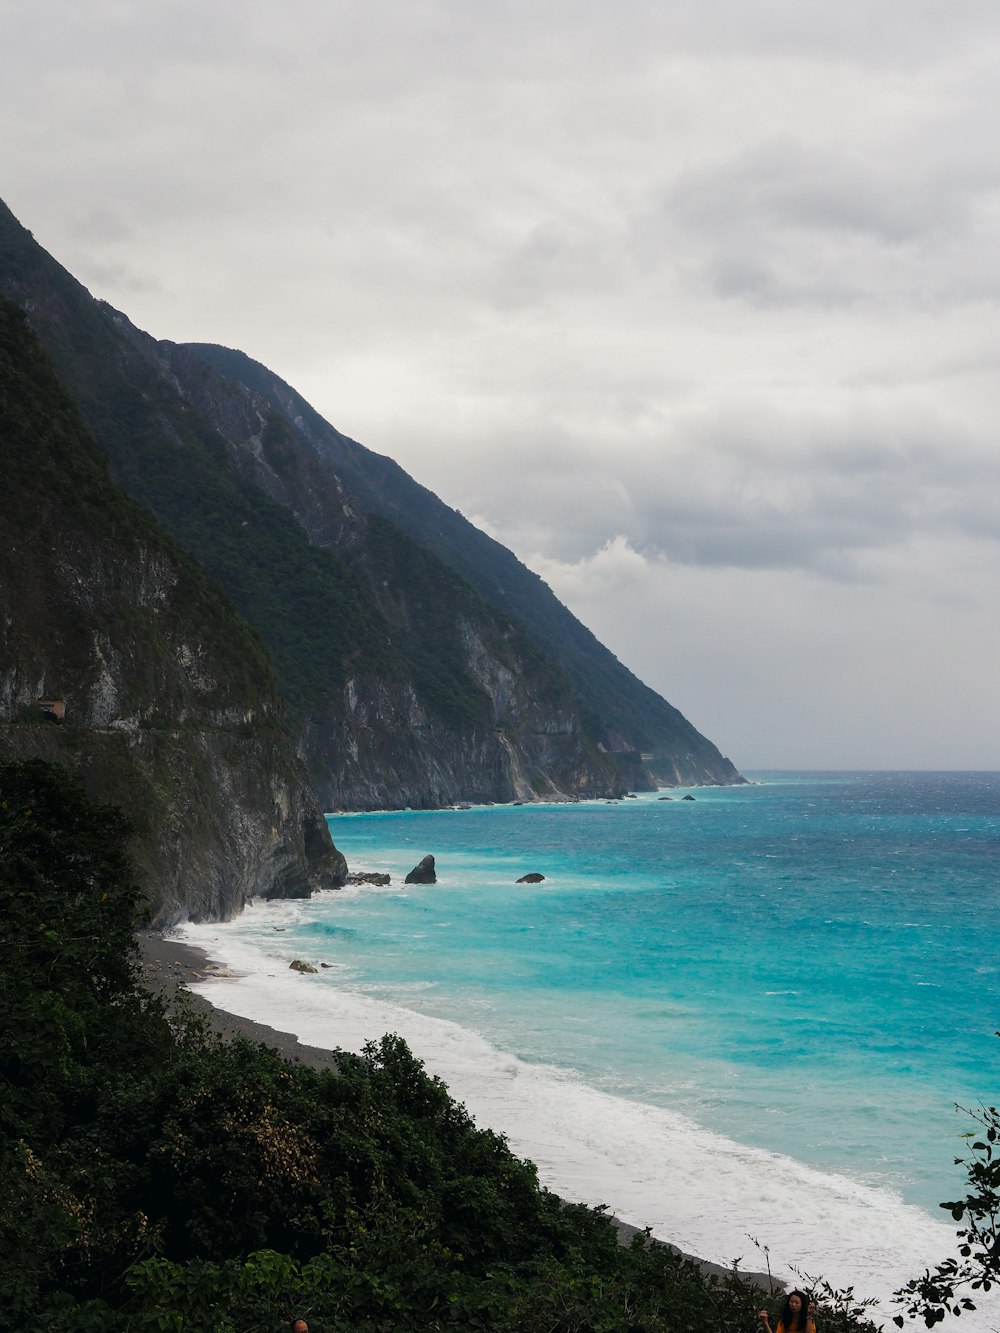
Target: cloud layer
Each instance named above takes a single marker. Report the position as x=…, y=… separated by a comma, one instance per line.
x=694, y=305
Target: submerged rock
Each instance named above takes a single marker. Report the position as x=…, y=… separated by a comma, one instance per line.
x=687, y=798
x=423, y=873
x=369, y=877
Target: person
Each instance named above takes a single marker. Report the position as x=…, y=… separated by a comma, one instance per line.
x=798, y=1315
x=298, y=1326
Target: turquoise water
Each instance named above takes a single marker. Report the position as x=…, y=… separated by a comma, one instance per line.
x=811, y=964
x=709, y=1011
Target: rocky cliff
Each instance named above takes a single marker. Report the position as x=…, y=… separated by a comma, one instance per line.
x=640, y=729
x=121, y=660
x=419, y=661
x=617, y=732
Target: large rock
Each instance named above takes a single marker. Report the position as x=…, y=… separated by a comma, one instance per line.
x=298, y=965
x=533, y=878
x=424, y=873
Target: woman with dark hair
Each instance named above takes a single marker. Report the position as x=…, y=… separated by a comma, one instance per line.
x=798, y=1315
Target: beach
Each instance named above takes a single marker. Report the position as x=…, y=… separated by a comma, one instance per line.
x=635, y=1025
x=170, y=966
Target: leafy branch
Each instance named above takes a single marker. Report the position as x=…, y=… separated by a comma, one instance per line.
x=944, y=1290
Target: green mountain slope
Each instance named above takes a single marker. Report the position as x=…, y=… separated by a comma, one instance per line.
x=419, y=661
x=165, y=698
x=618, y=708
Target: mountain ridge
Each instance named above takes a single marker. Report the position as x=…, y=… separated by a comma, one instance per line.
x=493, y=570
x=421, y=664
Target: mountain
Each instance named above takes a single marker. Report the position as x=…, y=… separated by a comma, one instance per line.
x=623, y=714
x=122, y=660
x=419, y=661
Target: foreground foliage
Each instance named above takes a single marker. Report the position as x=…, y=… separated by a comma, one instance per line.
x=946, y=1288
x=153, y=1177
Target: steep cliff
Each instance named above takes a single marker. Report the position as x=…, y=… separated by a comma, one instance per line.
x=419, y=661
x=120, y=659
x=623, y=733
x=623, y=715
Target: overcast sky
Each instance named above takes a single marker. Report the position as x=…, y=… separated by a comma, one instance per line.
x=691, y=303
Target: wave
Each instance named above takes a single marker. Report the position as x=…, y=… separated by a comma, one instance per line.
x=652, y=1166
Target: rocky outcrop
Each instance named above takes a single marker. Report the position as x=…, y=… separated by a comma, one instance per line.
x=423, y=872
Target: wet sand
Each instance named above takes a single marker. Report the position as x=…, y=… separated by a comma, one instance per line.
x=167, y=967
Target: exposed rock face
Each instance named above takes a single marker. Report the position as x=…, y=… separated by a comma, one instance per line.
x=168, y=705
x=378, y=747
x=423, y=872
x=639, y=731
x=420, y=663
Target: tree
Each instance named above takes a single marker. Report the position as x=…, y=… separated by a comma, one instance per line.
x=944, y=1289
x=68, y=908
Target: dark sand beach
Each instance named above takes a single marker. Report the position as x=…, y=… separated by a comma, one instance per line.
x=169, y=965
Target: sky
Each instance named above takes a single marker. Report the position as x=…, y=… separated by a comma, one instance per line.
x=693, y=305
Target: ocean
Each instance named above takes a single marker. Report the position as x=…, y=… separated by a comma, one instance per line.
x=743, y=1020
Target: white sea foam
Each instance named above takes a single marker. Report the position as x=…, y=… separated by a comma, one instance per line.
x=652, y=1167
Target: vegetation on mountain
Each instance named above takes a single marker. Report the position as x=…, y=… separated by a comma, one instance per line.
x=168, y=700
x=221, y=455
x=56, y=483
x=613, y=702
x=153, y=1177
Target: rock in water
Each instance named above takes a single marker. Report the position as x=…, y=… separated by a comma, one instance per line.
x=533, y=878
x=424, y=873
x=297, y=965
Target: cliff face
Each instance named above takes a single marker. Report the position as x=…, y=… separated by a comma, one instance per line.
x=644, y=738
x=442, y=698
x=419, y=661
x=378, y=747
x=119, y=659
x=618, y=733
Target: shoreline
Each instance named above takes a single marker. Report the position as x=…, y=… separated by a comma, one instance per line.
x=166, y=967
